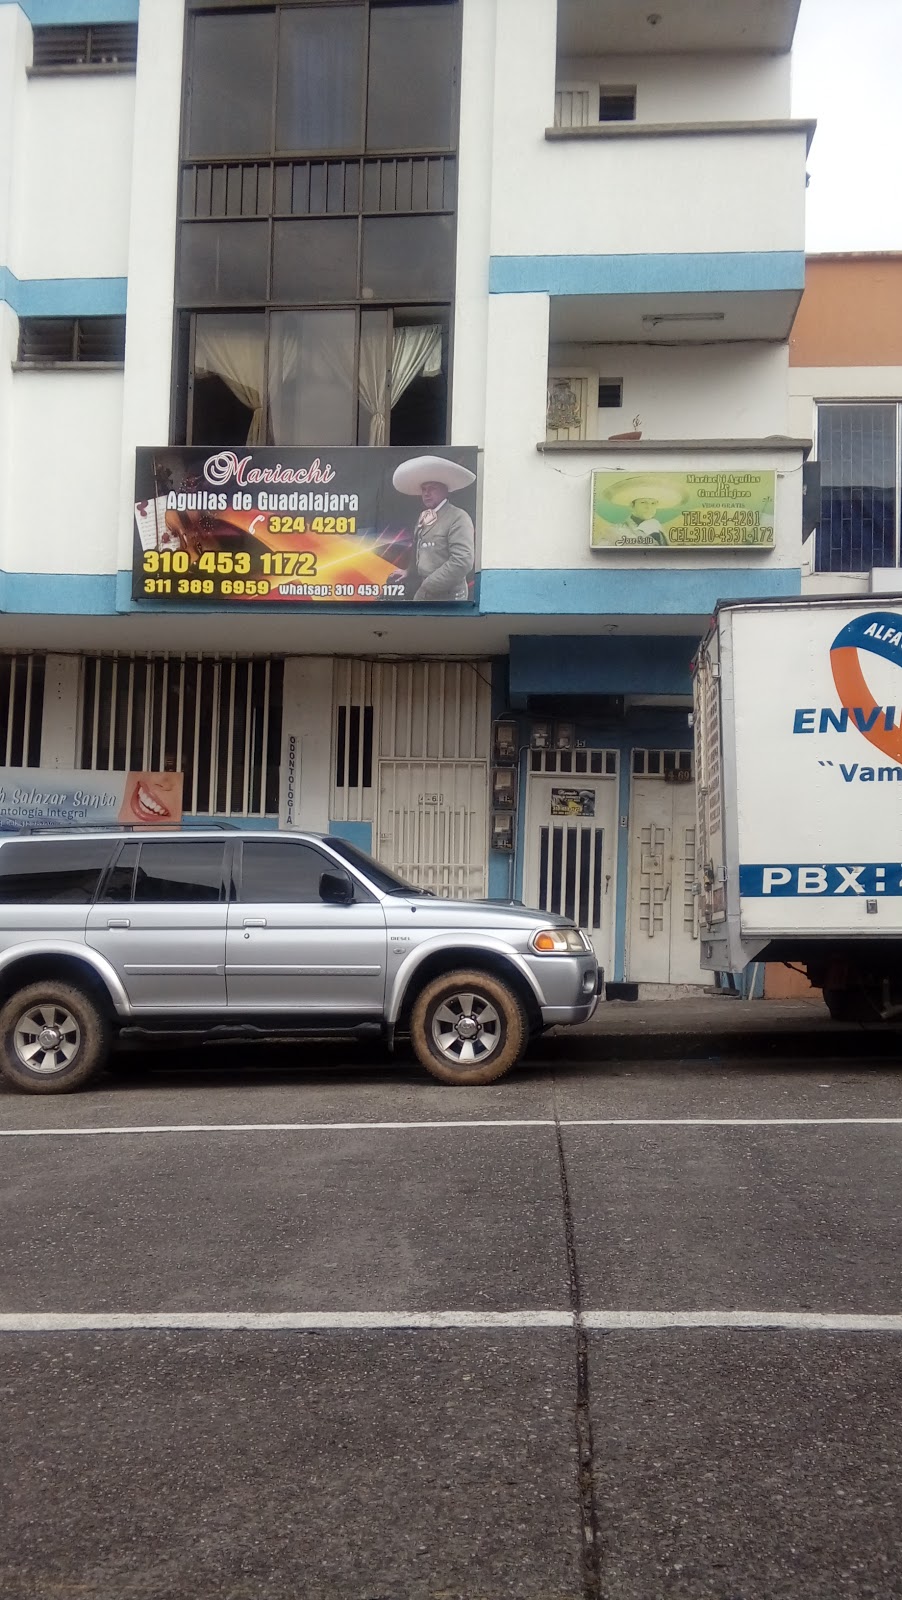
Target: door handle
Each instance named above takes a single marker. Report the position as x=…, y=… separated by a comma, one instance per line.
x=118, y=922
x=254, y=922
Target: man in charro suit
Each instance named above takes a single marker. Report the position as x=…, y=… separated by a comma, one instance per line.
x=444, y=537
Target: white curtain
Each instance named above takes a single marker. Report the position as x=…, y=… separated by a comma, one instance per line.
x=416, y=352
x=311, y=377
x=236, y=356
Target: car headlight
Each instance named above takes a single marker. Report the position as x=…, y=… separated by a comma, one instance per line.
x=559, y=942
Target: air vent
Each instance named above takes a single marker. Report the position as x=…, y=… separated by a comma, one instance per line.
x=71, y=341
x=106, y=45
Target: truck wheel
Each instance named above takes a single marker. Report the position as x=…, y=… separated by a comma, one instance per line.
x=468, y=1027
x=53, y=1038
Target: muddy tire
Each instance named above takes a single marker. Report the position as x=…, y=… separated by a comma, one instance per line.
x=53, y=1038
x=468, y=1027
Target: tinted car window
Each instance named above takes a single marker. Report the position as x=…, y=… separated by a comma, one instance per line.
x=52, y=871
x=178, y=870
x=275, y=870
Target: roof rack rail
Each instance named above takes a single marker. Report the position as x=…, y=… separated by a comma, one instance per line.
x=190, y=826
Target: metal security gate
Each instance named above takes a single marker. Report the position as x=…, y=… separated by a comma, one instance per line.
x=570, y=844
x=21, y=709
x=431, y=824
x=663, y=906
x=216, y=719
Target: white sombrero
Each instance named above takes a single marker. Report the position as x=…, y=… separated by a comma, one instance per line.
x=411, y=475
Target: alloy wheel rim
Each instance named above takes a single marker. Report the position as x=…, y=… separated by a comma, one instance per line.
x=466, y=1029
x=47, y=1038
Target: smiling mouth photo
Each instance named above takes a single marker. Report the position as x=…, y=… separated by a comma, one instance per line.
x=147, y=807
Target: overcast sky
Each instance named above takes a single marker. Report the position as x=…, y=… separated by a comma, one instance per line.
x=847, y=72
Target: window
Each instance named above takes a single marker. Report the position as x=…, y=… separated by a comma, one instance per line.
x=610, y=394
x=107, y=45
x=52, y=871
x=274, y=870
x=71, y=341
x=317, y=376
x=858, y=449
x=616, y=104
x=319, y=171
x=120, y=880
x=179, y=871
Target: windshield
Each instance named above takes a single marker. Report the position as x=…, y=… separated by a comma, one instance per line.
x=379, y=876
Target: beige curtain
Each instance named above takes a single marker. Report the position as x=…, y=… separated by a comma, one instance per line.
x=416, y=352
x=236, y=356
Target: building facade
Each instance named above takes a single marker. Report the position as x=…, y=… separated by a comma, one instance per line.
x=561, y=240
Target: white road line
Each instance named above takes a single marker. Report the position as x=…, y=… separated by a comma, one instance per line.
x=275, y=1127
x=426, y=1321
x=803, y=1321
x=274, y=1321
x=448, y=1124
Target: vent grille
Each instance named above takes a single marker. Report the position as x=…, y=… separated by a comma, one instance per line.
x=106, y=45
x=71, y=341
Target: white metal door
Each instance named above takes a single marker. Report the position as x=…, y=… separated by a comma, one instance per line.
x=432, y=824
x=663, y=910
x=571, y=826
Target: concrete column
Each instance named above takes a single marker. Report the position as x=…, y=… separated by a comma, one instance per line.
x=306, y=771
x=59, y=732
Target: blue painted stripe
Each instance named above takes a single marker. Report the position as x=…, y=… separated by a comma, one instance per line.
x=793, y=880
x=712, y=273
x=628, y=591
x=63, y=297
x=58, y=594
x=58, y=13
x=517, y=592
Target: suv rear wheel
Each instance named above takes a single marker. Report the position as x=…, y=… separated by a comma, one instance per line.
x=468, y=1027
x=53, y=1038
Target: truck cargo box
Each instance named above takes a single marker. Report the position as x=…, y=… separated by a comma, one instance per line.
x=798, y=730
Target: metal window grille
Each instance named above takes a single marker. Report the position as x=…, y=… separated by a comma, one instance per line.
x=218, y=720
x=22, y=695
x=594, y=763
x=71, y=341
x=859, y=448
x=113, y=44
x=610, y=394
x=675, y=764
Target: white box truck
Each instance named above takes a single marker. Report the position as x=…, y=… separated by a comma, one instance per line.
x=798, y=739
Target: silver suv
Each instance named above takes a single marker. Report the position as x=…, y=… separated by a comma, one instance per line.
x=265, y=932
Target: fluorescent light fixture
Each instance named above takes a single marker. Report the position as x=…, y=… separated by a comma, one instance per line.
x=654, y=318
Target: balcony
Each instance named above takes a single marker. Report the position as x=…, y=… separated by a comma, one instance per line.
x=675, y=26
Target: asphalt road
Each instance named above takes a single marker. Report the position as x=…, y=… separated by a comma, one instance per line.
x=304, y=1325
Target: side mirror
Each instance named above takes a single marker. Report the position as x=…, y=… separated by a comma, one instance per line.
x=336, y=889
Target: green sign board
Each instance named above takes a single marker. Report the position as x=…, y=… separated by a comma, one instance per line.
x=683, y=510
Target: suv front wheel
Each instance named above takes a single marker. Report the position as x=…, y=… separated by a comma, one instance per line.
x=53, y=1038
x=468, y=1027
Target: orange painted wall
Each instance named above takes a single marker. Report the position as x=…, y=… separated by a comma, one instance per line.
x=851, y=313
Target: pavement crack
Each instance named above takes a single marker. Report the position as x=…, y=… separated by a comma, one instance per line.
x=590, y=1552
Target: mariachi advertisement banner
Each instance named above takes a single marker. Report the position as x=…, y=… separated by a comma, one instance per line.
x=237, y=527
x=36, y=796
x=683, y=510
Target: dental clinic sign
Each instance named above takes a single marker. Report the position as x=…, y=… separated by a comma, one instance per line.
x=36, y=796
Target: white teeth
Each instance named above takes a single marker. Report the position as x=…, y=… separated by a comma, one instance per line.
x=148, y=803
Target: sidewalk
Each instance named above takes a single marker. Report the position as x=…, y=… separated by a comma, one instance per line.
x=715, y=1026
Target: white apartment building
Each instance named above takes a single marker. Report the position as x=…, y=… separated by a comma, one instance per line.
x=562, y=240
